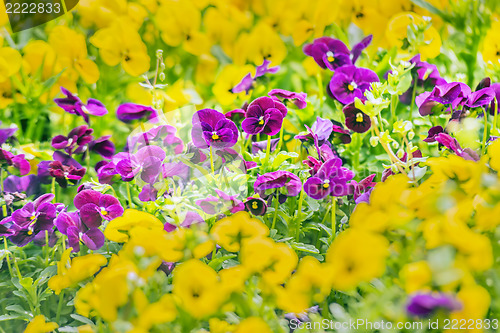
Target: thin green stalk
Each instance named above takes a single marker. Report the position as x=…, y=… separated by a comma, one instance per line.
x=280, y=142
x=212, y=161
x=4, y=207
x=276, y=203
x=7, y=256
x=413, y=96
x=319, y=79
x=495, y=116
x=334, y=220
x=53, y=189
x=268, y=150
x=485, y=133
x=129, y=196
x=299, y=215
x=59, y=306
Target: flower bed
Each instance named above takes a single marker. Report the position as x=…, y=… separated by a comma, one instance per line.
x=260, y=166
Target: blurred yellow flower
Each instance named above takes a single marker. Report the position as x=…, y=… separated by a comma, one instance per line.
x=198, y=288
x=121, y=43
x=10, y=63
x=38, y=325
x=416, y=276
x=230, y=232
x=227, y=79
x=70, y=272
x=352, y=265
x=117, y=229
x=71, y=50
x=253, y=325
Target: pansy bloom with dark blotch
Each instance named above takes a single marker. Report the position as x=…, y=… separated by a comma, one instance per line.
x=256, y=206
x=95, y=206
x=331, y=179
x=34, y=217
x=264, y=115
x=72, y=104
x=349, y=82
x=247, y=82
x=70, y=224
x=446, y=96
x=299, y=99
x=424, y=305
x=224, y=202
x=129, y=112
x=356, y=120
x=328, y=52
x=65, y=169
x=212, y=129
x=76, y=141
x=6, y=133
x=14, y=162
x=285, y=182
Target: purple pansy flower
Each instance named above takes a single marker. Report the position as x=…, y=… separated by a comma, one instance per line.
x=190, y=219
x=264, y=115
x=65, y=169
x=359, y=47
x=433, y=132
x=103, y=146
x=452, y=144
x=147, y=161
x=328, y=53
x=247, y=82
x=148, y=193
x=331, y=179
x=71, y=225
x=76, y=141
x=72, y=104
x=129, y=112
x=215, y=205
x=163, y=136
x=28, y=184
x=256, y=206
x=262, y=145
x=95, y=206
x=445, y=96
x=299, y=99
x=349, y=82
x=17, y=162
x=364, y=186
x=355, y=119
x=318, y=133
x=212, y=129
x=480, y=98
x=6, y=133
x=423, y=305
x=285, y=182
x=34, y=217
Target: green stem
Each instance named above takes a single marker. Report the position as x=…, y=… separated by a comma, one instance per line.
x=268, y=150
x=212, y=161
x=4, y=207
x=485, y=132
x=413, y=96
x=334, y=220
x=319, y=79
x=53, y=189
x=7, y=256
x=298, y=222
x=394, y=105
x=59, y=306
x=129, y=196
x=276, y=203
x=495, y=116
x=280, y=142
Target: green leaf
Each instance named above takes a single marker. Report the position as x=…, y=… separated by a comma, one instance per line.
x=81, y=319
x=10, y=317
x=217, y=262
x=309, y=248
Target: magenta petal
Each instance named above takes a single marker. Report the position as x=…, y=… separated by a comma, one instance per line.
x=93, y=239
x=63, y=222
x=113, y=212
x=91, y=215
x=107, y=200
x=315, y=189
x=85, y=197
x=96, y=108
x=73, y=234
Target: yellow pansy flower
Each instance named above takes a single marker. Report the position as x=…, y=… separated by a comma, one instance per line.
x=70, y=272
x=117, y=229
x=362, y=263
x=10, y=63
x=231, y=232
x=198, y=289
x=38, y=325
x=252, y=325
x=416, y=276
x=121, y=43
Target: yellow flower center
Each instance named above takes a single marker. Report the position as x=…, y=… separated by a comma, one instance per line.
x=255, y=205
x=326, y=185
x=32, y=218
x=30, y=232
x=261, y=121
x=359, y=117
x=331, y=59
x=350, y=87
x=215, y=137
